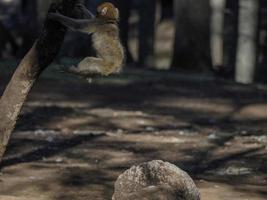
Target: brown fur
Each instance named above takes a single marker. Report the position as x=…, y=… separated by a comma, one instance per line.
x=112, y=12
x=106, y=41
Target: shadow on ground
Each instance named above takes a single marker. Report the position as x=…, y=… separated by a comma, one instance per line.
x=72, y=144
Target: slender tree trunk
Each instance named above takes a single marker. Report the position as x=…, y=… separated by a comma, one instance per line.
x=181, y=53
x=37, y=59
x=217, y=29
x=147, y=14
x=166, y=9
x=192, y=35
x=262, y=68
x=125, y=12
x=230, y=38
x=247, y=41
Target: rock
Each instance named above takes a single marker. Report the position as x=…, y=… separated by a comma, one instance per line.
x=155, y=180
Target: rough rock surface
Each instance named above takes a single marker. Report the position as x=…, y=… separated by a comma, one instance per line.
x=155, y=180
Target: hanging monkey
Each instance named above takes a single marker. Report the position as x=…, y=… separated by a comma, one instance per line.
x=105, y=36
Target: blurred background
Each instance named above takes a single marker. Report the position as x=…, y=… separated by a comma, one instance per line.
x=209, y=36
x=193, y=92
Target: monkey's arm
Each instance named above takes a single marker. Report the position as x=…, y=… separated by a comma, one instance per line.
x=83, y=25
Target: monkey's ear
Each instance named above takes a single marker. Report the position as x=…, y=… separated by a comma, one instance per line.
x=104, y=11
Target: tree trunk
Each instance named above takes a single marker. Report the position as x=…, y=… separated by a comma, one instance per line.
x=217, y=28
x=192, y=35
x=125, y=11
x=230, y=38
x=147, y=14
x=166, y=9
x=37, y=59
x=262, y=68
x=124, y=25
x=247, y=41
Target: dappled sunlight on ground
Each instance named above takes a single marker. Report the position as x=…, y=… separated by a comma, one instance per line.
x=73, y=144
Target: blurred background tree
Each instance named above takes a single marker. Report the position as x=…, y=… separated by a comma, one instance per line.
x=192, y=43
x=246, y=57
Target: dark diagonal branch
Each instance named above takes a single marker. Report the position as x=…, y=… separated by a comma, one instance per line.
x=28, y=71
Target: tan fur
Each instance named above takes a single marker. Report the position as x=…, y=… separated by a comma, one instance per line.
x=105, y=35
x=111, y=12
x=107, y=44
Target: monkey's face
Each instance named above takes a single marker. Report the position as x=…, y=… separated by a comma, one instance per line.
x=108, y=11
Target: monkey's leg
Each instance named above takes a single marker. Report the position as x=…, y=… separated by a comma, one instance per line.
x=90, y=66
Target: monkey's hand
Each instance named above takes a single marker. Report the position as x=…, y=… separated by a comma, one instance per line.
x=85, y=12
x=53, y=16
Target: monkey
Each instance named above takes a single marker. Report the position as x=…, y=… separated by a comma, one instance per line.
x=155, y=180
x=105, y=36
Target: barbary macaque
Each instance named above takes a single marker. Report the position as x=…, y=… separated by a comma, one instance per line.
x=155, y=180
x=105, y=36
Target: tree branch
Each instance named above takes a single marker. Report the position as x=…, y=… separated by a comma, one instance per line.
x=28, y=71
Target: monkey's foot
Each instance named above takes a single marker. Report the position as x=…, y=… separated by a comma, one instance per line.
x=72, y=69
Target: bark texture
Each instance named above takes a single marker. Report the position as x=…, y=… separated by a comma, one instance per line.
x=156, y=180
x=37, y=59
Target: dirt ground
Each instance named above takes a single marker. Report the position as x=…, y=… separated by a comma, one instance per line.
x=74, y=138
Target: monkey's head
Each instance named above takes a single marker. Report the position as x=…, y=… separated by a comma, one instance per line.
x=108, y=11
